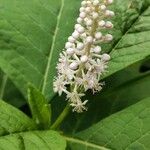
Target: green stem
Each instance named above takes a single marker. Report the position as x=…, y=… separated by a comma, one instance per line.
x=3, y=85
x=61, y=117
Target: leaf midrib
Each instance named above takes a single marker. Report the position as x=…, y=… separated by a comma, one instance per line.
x=52, y=48
x=3, y=85
x=86, y=143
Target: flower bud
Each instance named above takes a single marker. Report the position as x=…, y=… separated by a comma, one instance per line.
x=83, y=3
x=84, y=58
x=80, y=29
x=79, y=20
x=80, y=46
x=108, y=24
x=71, y=39
x=109, y=13
x=82, y=9
x=95, y=15
x=95, y=2
x=109, y=1
x=105, y=57
x=101, y=23
x=82, y=15
x=68, y=45
x=97, y=49
x=103, y=7
x=73, y=65
x=98, y=35
x=89, y=39
x=108, y=37
x=70, y=51
x=88, y=9
x=89, y=22
x=75, y=34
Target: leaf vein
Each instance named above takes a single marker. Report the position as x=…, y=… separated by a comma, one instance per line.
x=52, y=48
x=93, y=145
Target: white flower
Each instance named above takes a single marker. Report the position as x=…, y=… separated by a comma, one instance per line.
x=79, y=106
x=74, y=96
x=59, y=85
x=83, y=63
x=63, y=67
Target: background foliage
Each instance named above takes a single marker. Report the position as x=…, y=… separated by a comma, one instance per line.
x=32, y=33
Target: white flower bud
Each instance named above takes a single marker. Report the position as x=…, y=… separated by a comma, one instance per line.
x=95, y=15
x=103, y=7
x=108, y=24
x=89, y=22
x=71, y=39
x=109, y=1
x=108, y=37
x=80, y=29
x=82, y=15
x=97, y=49
x=95, y=2
x=101, y=23
x=89, y=39
x=83, y=3
x=82, y=9
x=80, y=46
x=68, y=45
x=83, y=35
x=77, y=26
x=73, y=65
x=98, y=35
x=75, y=34
x=79, y=20
x=84, y=58
x=89, y=3
x=109, y=13
x=70, y=51
x=105, y=57
x=88, y=9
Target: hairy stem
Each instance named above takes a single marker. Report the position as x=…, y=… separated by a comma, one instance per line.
x=3, y=85
x=61, y=117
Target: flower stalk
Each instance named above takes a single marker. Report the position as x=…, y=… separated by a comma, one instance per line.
x=61, y=117
x=82, y=63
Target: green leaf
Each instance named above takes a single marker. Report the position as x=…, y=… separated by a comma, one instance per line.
x=133, y=45
x=3, y=82
x=41, y=110
x=12, y=120
x=9, y=93
x=33, y=140
x=16, y=134
x=33, y=32
x=128, y=129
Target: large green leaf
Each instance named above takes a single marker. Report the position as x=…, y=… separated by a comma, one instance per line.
x=13, y=120
x=33, y=32
x=128, y=129
x=33, y=140
x=16, y=132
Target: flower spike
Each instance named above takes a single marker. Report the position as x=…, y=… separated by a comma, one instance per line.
x=81, y=64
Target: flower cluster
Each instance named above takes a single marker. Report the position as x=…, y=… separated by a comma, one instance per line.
x=81, y=64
